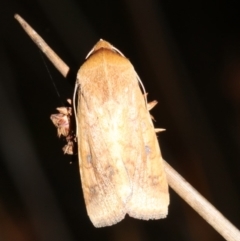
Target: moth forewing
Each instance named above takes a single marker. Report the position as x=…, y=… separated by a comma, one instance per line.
x=105, y=180
x=150, y=198
x=120, y=161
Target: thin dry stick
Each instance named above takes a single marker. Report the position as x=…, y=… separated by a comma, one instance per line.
x=205, y=209
x=176, y=181
x=42, y=45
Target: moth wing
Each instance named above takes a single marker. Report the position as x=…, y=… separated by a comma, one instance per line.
x=105, y=180
x=150, y=197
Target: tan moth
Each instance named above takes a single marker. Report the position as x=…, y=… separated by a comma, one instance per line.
x=120, y=162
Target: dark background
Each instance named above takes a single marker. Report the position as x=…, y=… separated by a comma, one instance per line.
x=187, y=54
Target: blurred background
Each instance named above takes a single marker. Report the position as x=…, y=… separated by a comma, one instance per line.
x=187, y=54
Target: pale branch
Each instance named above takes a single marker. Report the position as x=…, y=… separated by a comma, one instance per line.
x=175, y=180
x=204, y=208
x=42, y=45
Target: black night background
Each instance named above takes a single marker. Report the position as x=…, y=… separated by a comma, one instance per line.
x=187, y=54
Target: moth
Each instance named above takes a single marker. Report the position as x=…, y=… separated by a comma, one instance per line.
x=120, y=161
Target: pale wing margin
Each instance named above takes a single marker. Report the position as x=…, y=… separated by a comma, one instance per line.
x=150, y=198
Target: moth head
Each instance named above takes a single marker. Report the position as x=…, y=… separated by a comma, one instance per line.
x=102, y=44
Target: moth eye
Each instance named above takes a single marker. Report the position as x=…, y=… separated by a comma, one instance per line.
x=147, y=149
x=89, y=158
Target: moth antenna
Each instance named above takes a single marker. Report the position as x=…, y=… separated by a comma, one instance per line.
x=143, y=89
x=118, y=51
x=91, y=51
x=74, y=106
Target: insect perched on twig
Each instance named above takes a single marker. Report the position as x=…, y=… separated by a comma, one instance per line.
x=120, y=161
x=175, y=180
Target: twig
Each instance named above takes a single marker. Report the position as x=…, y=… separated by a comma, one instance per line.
x=42, y=45
x=205, y=209
x=176, y=181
